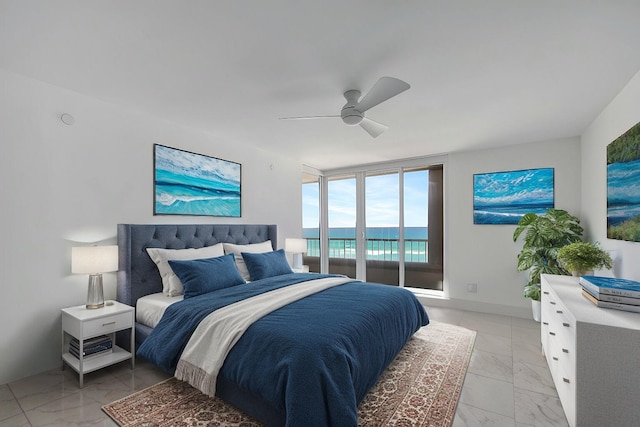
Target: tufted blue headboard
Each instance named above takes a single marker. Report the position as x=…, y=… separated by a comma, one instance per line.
x=138, y=275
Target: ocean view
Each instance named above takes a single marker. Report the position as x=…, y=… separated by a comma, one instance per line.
x=382, y=243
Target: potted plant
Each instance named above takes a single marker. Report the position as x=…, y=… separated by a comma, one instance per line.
x=582, y=258
x=543, y=236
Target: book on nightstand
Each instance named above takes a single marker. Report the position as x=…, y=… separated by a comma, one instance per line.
x=608, y=304
x=91, y=347
x=598, y=286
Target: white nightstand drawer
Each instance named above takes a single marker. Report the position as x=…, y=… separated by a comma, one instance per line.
x=106, y=325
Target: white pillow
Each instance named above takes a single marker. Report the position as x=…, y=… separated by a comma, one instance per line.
x=236, y=250
x=171, y=285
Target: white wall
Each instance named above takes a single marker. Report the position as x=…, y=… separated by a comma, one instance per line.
x=67, y=184
x=486, y=254
x=620, y=115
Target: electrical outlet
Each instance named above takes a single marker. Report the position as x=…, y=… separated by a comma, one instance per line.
x=472, y=287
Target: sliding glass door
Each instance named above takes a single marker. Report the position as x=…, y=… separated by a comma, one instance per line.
x=382, y=226
x=341, y=206
x=311, y=220
x=382, y=207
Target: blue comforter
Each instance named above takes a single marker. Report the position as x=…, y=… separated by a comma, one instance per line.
x=316, y=358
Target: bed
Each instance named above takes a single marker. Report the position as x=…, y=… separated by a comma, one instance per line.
x=306, y=362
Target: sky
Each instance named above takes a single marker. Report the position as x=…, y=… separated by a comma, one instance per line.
x=382, y=194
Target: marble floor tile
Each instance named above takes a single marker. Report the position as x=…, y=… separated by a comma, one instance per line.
x=145, y=375
x=525, y=323
x=469, y=416
x=39, y=389
x=9, y=406
x=489, y=394
x=19, y=420
x=508, y=382
x=529, y=352
x=488, y=323
x=445, y=315
x=538, y=409
x=491, y=365
x=532, y=377
x=493, y=344
x=73, y=410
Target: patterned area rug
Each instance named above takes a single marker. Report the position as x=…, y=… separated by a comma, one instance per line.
x=420, y=387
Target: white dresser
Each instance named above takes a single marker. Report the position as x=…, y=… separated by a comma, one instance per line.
x=593, y=355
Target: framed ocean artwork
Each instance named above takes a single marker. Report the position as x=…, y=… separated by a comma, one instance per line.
x=187, y=183
x=623, y=186
x=504, y=197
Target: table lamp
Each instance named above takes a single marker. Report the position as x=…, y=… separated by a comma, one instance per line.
x=94, y=260
x=297, y=247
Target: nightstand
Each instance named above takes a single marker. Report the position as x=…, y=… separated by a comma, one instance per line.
x=84, y=324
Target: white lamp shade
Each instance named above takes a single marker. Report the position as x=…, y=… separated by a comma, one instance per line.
x=296, y=246
x=94, y=259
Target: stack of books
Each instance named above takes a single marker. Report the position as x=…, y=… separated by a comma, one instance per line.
x=611, y=292
x=92, y=347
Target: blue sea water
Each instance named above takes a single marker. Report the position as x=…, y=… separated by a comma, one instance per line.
x=623, y=191
x=372, y=233
x=382, y=243
x=506, y=214
x=504, y=197
x=190, y=184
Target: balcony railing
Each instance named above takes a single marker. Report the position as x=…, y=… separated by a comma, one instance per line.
x=415, y=250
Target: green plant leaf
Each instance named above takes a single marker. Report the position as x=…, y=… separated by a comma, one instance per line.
x=542, y=237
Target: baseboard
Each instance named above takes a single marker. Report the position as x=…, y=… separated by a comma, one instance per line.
x=477, y=306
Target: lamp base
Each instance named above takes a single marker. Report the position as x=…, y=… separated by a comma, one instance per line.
x=297, y=261
x=95, y=294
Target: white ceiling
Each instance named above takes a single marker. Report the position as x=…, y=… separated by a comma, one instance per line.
x=482, y=73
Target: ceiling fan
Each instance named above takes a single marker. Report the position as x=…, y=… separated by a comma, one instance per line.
x=353, y=111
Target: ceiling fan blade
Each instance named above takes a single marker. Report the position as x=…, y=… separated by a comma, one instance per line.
x=373, y=128
x=309, y=117
x=385, y=88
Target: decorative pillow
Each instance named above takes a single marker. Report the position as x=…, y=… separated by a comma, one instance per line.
x=201, y=276
x=237, y=250
x=171, y=285
x=266, y=264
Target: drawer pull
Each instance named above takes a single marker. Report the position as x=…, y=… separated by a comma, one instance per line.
x=566, y=380
x=552, y=333
x=545, y=323
x=564, y=350
x=554, y=358
x=552, y=302
x=545, y=292
x=110, y=323
x=565, y=324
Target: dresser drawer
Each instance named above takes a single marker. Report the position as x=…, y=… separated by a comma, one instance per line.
x=566, y=388
x=106, y=325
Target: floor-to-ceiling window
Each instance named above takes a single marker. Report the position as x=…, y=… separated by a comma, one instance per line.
x=341, y=219
x=382, y=219
x=381, y=225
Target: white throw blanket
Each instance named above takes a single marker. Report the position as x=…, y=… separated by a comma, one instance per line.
x=217, y=333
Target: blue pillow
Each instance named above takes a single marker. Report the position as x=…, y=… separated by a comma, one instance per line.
x=200, y=276
x=266, y=264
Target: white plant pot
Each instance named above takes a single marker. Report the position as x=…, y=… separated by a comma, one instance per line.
x=535, y=309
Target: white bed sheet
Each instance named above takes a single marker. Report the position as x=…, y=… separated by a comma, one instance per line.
x=150, y=308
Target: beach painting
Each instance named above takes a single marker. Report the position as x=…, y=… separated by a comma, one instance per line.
x=505, y=197
x=187, y=183
x=623, y=186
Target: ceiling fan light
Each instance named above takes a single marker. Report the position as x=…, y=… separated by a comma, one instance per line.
x=351, y=116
